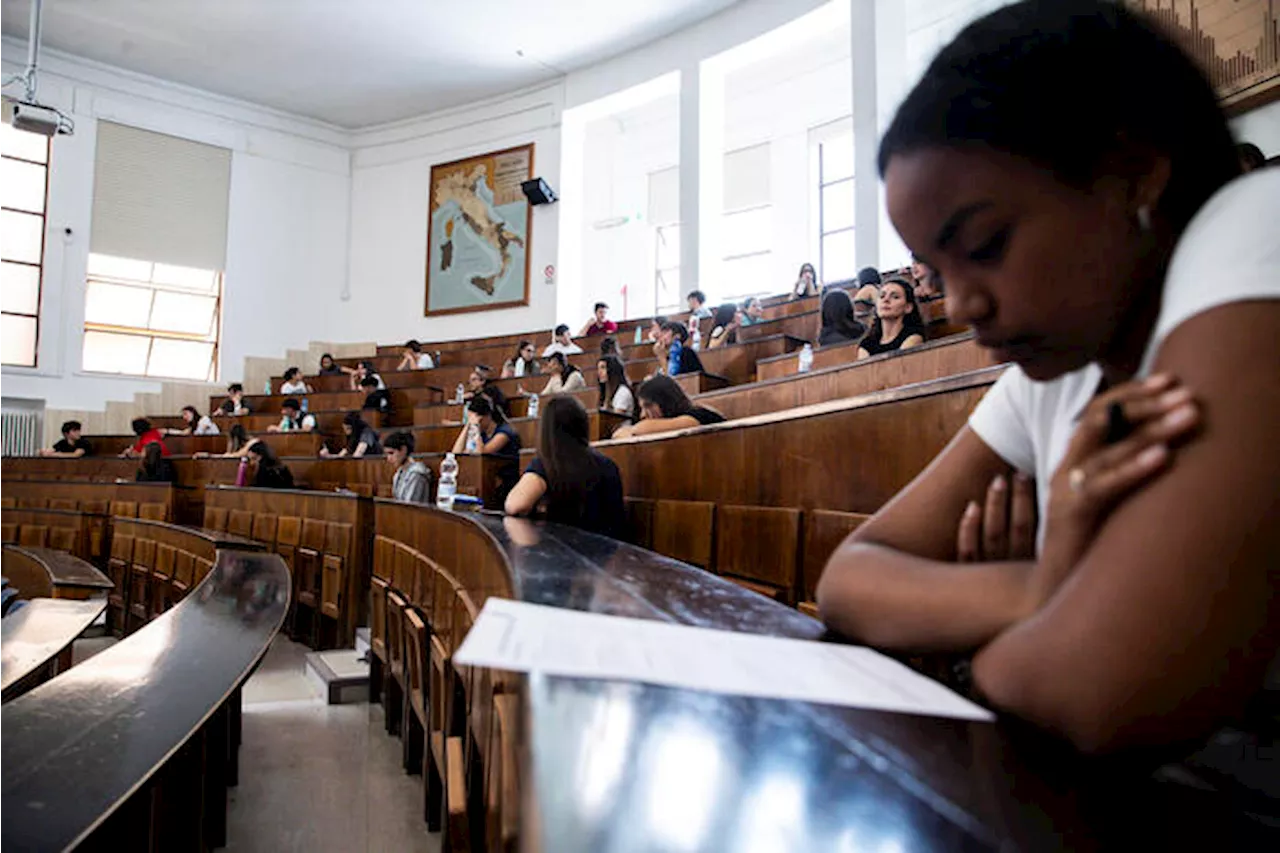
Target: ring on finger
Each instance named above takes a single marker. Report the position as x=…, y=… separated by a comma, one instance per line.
x=1075, y=479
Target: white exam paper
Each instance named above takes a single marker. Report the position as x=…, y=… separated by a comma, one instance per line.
x=523, y=637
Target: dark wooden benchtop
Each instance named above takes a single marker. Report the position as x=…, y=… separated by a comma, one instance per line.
x=77, y=746
x=38, y=633
x=219, y=538
x=65, y=569
x=616, y=765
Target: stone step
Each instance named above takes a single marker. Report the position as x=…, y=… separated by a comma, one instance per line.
x=339, y=676
x=362, y=641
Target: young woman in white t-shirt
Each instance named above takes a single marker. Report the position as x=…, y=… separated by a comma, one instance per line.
x=616, y=394
x=1067, y=172
x=196, y=423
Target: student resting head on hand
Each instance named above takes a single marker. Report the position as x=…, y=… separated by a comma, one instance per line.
x=665, y=407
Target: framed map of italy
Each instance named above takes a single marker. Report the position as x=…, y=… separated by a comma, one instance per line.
x=478, y=233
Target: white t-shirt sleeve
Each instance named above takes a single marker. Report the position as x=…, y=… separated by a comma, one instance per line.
x=623, y=401
x=1229, y=253
x=425, y=362
x=1002, y=419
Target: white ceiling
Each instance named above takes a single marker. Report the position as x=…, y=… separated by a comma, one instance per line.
x=355, y=63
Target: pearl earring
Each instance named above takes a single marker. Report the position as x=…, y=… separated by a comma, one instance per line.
x=1144, y=218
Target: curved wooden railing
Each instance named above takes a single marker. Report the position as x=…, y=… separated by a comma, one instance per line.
x=134, y=748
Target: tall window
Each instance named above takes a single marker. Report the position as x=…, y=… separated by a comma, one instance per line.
x=664, y=218
x=837, y=260
x=24, y=185
x=746, y=227
x=151, y=319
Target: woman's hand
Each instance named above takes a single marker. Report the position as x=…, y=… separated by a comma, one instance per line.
x=1097, y=473
x=1003, y=526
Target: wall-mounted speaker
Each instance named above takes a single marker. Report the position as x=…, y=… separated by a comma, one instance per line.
x=538, y=191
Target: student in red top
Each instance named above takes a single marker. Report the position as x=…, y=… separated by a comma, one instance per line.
x=147, y=434
x=599, y=324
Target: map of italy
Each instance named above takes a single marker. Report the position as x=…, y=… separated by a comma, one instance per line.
x=469, y=196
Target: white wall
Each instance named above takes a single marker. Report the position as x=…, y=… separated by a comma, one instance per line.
x=287, y=222
x=391, y=169
x=1261, y=127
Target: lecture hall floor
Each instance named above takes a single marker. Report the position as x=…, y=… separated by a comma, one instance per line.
x=315, y=777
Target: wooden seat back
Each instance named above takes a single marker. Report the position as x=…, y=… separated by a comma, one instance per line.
x=240, y=522
x=124, y=509
x=760, y=545
x=215, y=518
x=264, y=528
x=824, y=530
x=685, y=531
x=153, y=511
x=34, y=535
x=639, y=521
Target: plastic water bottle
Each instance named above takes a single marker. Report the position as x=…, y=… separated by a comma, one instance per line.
x=448, y=486
x=806, y=358
x=304, y=405
x=473, y=438
x=266, y=387
x=638, y=333
x=695, y=335
x=533, y=405
x=458, y=392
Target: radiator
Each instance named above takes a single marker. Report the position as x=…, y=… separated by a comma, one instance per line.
x=20, y=430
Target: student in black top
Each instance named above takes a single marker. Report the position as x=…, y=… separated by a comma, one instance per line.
x=377, y=399
x=897, y=324
x=155, y=468
x=838, y=323
x=72, y=446
x=580, y=486
x=328, y=367
x=665, y=407
x=496, y=438
x=234, y=404
x=271, y=473
x=361, y=438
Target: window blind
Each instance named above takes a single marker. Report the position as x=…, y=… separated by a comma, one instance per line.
x=160, y=198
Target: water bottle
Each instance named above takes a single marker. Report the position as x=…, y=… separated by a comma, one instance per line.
x=242, y=473
x=806, y=358
x=533, y=405
x=448, y=486
x=458, y=392
x=638, y=333
x=673, y=357
x=473, y=438
x=266, y=387
x=695, y=335
x=304, y=405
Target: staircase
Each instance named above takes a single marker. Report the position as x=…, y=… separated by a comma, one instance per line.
x=341, y=676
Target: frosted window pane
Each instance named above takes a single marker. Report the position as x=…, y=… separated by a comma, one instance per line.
x=837, y=159
x=668, y=240
x=747, y=232
x=108, y=266
x=180, y=359
x=839, y=258
x=105, y=352
x=180, y=312
x=20, y=236
x=117, y=305
x=837, y=207
x=22, y=185
x=18, y=336
x=188, y=278
x=21, y=286
x=24, y=144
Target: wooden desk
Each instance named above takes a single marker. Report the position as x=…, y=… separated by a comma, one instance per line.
x=35, y=642
x=45, y=573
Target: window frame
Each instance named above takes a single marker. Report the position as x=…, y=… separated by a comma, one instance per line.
x=823, y=184
x=44, y=240
x=152, y=335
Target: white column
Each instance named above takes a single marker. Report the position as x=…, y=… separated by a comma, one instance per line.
x=690, y=181
x=710, y=179
x=866, y=136
x=892, y=85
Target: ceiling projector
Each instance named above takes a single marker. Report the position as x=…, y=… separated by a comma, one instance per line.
x=35, y=118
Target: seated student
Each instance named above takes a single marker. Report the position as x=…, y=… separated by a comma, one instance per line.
x=864, y=304
x=496, y=438
x=655, y=328
x=292, y=420
x=752, y=311
x=270, y=472
x=665, y=407
x=806, y=283
x=72, y=446
x=155, y=468
x=561, y=343
x=328, y=367
x=897, y=325
x=238, y=443
x=698, y=309
x=672, y=352
x=869, y=275
x=609, y=346
x=412, y=479
x=234, y=405
x=580, y=486
x=196, y=424
x=376, y=399
x=413, y=358
x=839, y=326
x=294, y=384
x=1129, y=599
x=147, y=434
x=523, y=363
x=599, y=324
x=360, y=372
x=361, y=439
x=616, y=394
x=481, y=382
x=925, y=281
x=724, y=327
x=565, y=378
